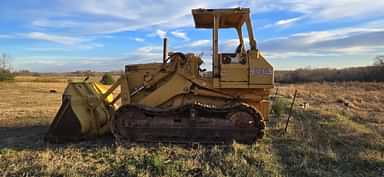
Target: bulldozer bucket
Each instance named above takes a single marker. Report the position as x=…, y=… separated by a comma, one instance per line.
x=83, y=113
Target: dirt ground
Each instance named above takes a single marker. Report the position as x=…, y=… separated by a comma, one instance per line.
x=339, y=133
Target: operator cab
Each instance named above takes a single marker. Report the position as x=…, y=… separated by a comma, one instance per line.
x=242, y=68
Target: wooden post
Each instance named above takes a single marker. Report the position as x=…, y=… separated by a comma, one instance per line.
x=290, y=111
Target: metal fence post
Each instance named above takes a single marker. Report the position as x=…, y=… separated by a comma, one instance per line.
x=290, y=111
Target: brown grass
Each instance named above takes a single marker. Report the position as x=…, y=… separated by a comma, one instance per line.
x=341, y=134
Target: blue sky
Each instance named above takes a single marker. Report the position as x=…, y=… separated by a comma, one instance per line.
x=70, y=35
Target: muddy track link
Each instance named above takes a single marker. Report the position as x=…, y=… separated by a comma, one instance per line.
x=187, y=124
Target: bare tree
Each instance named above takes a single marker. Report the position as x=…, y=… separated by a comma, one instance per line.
x=5, y=61
x=379, y=60
x=5, y=68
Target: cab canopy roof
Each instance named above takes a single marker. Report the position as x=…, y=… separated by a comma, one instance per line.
x=229, y=18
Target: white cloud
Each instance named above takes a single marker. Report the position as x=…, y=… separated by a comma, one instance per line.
x=180, y=34
x=287, y=22
x=139, y=39
x=5, y=36
x=287, y=55
x=199, y=43
x=120, y=15
x=323, y=9
x=161, y=34
x=145, y=54
x=88, y=46
x=344, y=41
x=76, y=20
x=96, y=26
x=70, y=64
x=55, y=23
x=232, y=43
x=354, y=49
x=127, y=15
x=149, y=49
x=47, y=49
x=66, y=40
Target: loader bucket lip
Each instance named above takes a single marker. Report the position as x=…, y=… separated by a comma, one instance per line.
x=65, y=126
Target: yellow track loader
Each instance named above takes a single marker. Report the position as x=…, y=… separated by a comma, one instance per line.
x=174, y=100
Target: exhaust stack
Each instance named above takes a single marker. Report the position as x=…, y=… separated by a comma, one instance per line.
x=165, y=50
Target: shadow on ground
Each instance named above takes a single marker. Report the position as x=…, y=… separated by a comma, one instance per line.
x=31, y=137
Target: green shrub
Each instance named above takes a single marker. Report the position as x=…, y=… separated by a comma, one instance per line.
x=279, y=107
x=107, y=79
x=6, y=75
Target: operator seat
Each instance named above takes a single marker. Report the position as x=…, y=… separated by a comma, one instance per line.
x=234, y=58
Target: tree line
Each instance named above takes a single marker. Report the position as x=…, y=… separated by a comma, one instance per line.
x=367, y=74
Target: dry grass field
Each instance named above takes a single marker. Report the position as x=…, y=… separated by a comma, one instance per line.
x=341, y=133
